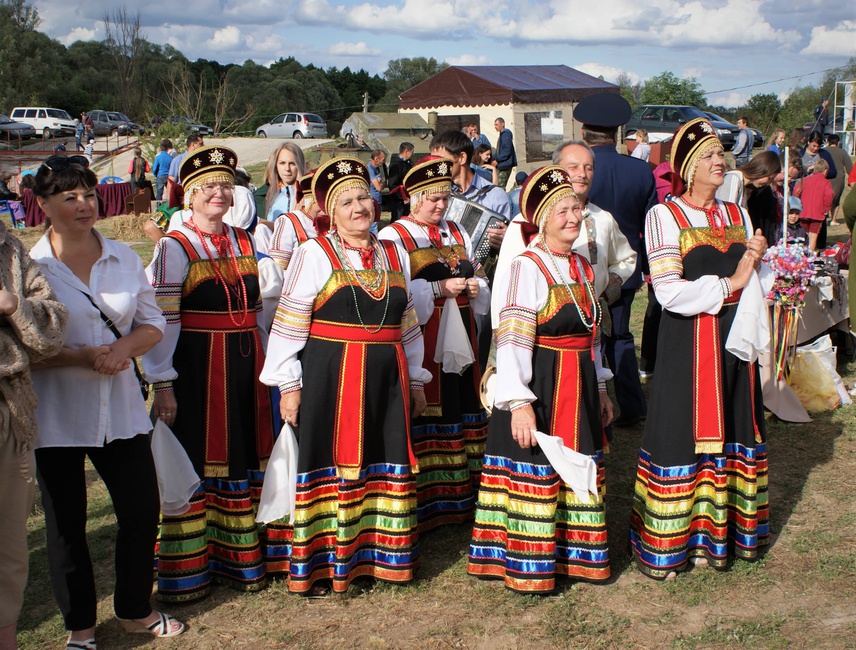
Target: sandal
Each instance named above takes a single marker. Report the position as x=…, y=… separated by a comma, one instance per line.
x=76, y=644
x=161, y=628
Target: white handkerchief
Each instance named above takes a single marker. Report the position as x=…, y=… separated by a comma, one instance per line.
x=177, y=480
x=454, y=351
x=576, y=469
x=749, y=335
x=280, y=485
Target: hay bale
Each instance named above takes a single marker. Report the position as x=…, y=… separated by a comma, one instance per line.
x=129, y=227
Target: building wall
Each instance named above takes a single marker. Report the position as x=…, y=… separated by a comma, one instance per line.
x=514, y=116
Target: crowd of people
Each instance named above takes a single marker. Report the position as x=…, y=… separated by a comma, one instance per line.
x=281, y=310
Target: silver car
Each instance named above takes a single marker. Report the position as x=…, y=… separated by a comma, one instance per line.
x=294, y=125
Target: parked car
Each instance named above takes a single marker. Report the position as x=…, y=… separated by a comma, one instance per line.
x=189, y=125
x=12, y=130
x=49, y=122
x=759, y=140
x=112, y=123
x=294, y=125
x=665, y=120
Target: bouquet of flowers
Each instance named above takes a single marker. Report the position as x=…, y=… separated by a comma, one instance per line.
x=793, y=267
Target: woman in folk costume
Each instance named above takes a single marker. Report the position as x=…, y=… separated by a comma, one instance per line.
x=346, y=336
x=701, y=482
x=205, y=375
x=291, y=229
x=449, y=437
x=530, y=526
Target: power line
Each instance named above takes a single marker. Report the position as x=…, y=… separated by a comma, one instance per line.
x=764, y=83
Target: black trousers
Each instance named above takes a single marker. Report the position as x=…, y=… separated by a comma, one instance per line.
x=128, y=471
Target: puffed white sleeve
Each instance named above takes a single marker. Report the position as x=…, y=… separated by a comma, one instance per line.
x=512, y=245
x=270, y=288
x=684, y=297
x=166, y=273
x=283, y=242
x=307, y=273
x=422, y=292
x=148, y=311
x=481, y=303
x=524, y=291
x=411, y=333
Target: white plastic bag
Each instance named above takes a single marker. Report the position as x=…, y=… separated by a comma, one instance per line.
x=279, y=490
x=825, y=352
x=177, y=480
x=454, y=351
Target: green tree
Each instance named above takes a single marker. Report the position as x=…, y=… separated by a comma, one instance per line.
x=666, y=88
x=798, y=108
x=403, y=74
x=763, y=110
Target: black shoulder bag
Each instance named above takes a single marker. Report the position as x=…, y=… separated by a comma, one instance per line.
x=144, y=385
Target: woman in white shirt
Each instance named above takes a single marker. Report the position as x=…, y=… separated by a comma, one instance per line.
x=90, y=405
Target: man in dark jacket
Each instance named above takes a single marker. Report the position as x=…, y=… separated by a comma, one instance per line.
x=506, y=159
x=624, y=187
x=398, y=168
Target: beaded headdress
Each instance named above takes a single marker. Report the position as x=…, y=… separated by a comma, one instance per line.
x=689, y=143
x=206, y=165
x=542, y=190
x=336, y=176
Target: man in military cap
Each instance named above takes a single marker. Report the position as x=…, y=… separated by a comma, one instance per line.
x=624, y=187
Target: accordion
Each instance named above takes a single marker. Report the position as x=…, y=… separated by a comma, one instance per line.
x=476, y=220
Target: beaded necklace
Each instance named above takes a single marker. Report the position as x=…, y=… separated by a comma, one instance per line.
x=377, y=290
x=225, y=250
x=592, y=323
x=448, y=259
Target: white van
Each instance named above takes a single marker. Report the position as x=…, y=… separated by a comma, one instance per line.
x=49, y=122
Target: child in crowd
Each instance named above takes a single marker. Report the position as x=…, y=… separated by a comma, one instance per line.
x=796, y=233
x=643, y=149
x=816, y=195
x=89, y=149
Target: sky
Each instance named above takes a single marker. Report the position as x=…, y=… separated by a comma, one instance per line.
x=734, y=48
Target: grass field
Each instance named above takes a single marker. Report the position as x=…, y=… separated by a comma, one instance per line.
x=800, y=593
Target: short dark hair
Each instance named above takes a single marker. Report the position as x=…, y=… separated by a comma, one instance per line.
x=405, y=146
x=833, y=138
x=481, y=149
x=193, y=139
x=377, y=153
x=455, y=142
x=815, y=136
x=166, y=144
x=745, y=119
x=48, y=183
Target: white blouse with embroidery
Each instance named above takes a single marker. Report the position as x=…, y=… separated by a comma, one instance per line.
x=524, y=291
x=425, y=292
x=167, y=272
x=308, y=272
x=684, y=297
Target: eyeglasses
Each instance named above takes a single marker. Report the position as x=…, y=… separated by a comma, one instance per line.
x=61, y=163
x=210, y=189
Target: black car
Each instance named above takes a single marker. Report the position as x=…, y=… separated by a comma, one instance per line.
x=12, y=130
x=189, y=125
x=665, y=120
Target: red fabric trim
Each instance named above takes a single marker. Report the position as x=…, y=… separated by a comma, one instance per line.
x=680, y=217
x=751, y=368
x=218, y=322
x=391, y=255
x=245, y=245
x=455, y=232
x=566, y=410
x=217, y=409
x=404, y=379
x=348, y=429
x=354, y=333
x=407, y=240
x=298, y=227
x=182, y=239
x=708, y=426
x=264, y=426
x=429, y=334
x=327, y=247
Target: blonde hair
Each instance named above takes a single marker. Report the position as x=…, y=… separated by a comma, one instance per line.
x=820, y=166
x=271, y=176
x=642, y=136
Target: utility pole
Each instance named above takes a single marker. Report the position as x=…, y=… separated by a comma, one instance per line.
x=366, y=102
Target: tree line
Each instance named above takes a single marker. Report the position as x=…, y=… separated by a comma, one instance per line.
x=126, y=72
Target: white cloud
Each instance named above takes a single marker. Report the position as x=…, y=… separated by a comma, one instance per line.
x=838, y=41
x=353, y=49
x=608, y=72
x=468, y=59
x=78, y=34
x=731, y=100
x=691, y=72
x=227, y=38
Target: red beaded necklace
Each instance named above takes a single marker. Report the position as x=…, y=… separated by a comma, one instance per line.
x=225, y=252
x=449, y=258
